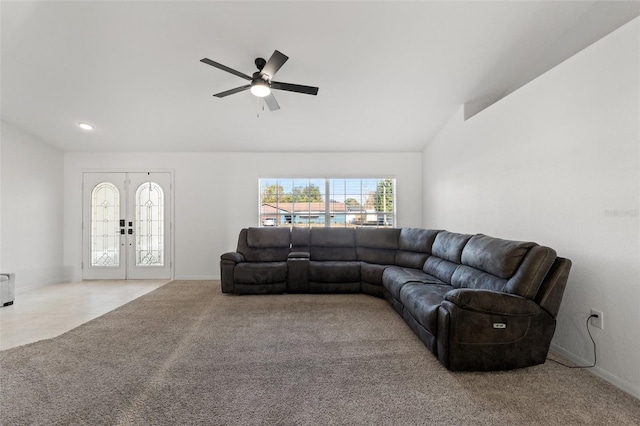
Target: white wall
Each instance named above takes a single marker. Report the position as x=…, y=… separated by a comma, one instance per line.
x=216, y=194
x=31, y=189
x=557, y=162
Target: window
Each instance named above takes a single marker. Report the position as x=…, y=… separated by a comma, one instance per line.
x=346, y=202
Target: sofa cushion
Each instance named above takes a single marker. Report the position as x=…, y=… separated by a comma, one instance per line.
x=440, y=268
x=300, y=238
x=377, y=245
x=382, y=238
x=333, y=244
x=449, y=246
x=372, y=273
x=269, y=237
x=276, y=249
x=260, y=272
x=334, y=271
x=414, y=247
x=422, y=302
x=494, y=255
x=395, y=277
x=379, y=256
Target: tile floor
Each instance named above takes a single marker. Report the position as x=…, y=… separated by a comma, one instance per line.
x=52, y=310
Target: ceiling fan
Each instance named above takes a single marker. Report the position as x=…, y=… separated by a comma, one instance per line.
x=261, y=82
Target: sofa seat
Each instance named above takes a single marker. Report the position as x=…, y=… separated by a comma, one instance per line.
x=371, y=278
x=396, y=277
x=334, y=277
x=422, y=301
x=260, y=277
x=372, y=273
x=260, y=272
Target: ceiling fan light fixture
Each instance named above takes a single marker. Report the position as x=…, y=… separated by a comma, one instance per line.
x=260, y=88
x=86, y=126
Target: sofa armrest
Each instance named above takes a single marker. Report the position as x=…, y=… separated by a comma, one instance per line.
x=298, y=274
x=228, y=262
x=492, y=302
x=299, y=255
x=233, y=256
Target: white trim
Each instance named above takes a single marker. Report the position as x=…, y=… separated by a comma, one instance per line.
x=597, y=371
x=198, y=277
x=38, y=285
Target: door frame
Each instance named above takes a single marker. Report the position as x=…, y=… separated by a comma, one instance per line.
x=171, y=208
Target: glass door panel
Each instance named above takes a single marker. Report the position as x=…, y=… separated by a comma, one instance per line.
x=105, y=230
x=149, y=254
x=149, y=225
x=104, y=206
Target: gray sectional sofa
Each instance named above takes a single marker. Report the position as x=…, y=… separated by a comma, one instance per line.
x=477, y=302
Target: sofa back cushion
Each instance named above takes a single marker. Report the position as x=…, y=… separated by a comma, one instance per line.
x=446, y=254
x=449, y=246
x=264, y=244
x=494, y=255
x=268, y=237
x=414, y=247
x=377, y=245
x=514, y=267
x=300, y=239
x=333, y=244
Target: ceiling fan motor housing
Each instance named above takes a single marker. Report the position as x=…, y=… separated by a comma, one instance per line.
x=260, y=63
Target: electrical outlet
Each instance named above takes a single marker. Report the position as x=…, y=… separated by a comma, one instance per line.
x=599, y=321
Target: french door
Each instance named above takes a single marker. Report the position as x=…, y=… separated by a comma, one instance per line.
x=126, y=227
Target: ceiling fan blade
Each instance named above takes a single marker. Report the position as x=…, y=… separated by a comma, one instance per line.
x=275, y=62
x=224, y=68
x=308, y=90
x=271, y=102
x=232, y=91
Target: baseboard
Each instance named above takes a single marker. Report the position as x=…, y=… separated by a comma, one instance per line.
x=24, y=289
x=603, y=374
x=196, y=277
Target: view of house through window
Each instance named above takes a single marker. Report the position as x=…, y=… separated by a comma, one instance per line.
x=345, y=202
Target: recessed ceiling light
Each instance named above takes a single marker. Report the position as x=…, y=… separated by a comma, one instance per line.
x=85, y=126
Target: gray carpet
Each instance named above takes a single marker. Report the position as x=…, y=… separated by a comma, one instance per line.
x=186, y=354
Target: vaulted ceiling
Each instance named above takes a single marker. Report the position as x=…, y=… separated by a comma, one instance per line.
x=390, y=73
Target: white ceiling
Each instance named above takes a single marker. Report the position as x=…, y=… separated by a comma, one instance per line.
x=390, y=73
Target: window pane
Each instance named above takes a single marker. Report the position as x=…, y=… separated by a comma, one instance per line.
x=337, y=206
x=340, y=202
x=149, y=225
x=105, y=233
